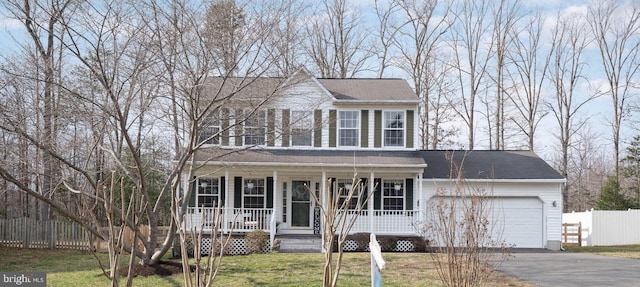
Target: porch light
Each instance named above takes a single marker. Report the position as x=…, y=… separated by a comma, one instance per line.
x=250, y=185
x=397, y=186
x=348, y=186
x=204, y=184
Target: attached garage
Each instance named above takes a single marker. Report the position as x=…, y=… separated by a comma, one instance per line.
x=523, y=191
x=520, y=221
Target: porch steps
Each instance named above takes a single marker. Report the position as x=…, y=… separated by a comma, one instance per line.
x=300, y=243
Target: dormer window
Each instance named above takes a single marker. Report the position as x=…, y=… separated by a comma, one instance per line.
x=393, y=128
x=348, y=128
x=255, y=128
x=209, y=132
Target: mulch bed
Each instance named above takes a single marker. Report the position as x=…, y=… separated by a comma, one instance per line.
x=162, y=268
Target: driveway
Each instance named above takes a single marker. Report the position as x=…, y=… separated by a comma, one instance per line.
x=553, y=268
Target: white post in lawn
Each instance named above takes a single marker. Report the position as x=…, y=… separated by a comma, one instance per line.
x=377, y=262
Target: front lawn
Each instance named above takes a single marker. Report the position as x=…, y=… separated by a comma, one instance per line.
x=76, y=268
x=627, y=251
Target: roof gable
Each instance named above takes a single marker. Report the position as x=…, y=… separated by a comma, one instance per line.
x=487, y=165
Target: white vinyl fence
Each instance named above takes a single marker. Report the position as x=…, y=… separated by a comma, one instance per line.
x=607, y=227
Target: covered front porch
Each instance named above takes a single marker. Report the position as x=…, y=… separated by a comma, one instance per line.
x=284, y=192
x=244, y=220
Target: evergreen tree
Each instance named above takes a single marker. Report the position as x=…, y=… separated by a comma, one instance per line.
x=610, y=197
x=631, y=171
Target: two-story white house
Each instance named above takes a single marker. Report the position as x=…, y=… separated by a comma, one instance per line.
x=281, y=139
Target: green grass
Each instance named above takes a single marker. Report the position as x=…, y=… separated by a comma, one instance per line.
x=76, y=268
x=627, y=251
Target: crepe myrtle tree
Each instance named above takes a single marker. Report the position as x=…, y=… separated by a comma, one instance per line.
x=340, y=211
x=462, y=228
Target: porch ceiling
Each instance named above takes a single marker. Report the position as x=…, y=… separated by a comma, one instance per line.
x=323, y=158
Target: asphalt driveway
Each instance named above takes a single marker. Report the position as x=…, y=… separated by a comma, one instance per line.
x=549, y=268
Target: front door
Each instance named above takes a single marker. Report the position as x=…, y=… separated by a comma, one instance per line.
x=300, y=203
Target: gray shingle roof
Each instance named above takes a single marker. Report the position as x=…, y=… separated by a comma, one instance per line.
x=396, y=90
x=485, y=164
x=326, y=158
x=370, y=89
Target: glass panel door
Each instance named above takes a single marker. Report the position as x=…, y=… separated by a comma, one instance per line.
x=300, y=203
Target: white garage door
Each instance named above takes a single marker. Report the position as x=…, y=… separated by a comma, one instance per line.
x=515, y=220
x=520, y=221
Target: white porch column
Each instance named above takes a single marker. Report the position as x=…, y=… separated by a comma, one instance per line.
x=422, y=205
x=372, y=185
x=323, y=202
x=272, y=223
x=227, y=205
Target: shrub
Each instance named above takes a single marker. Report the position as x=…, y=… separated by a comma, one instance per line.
x=362, y=239
x=388, y=243
x=256, y=241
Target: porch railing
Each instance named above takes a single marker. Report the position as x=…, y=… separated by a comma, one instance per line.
x=385, y=222
x=232, y=219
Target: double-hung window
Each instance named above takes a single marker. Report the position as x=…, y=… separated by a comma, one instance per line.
x=394, y=128
x=208, y=192
x=254, y=193
x=348, y=128
x=301, y=128
x=392, y=194
x=210, y=128
x=255, y=128
x=344, y=188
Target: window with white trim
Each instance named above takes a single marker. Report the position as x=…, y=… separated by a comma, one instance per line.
x=208, y=194
x=301, y=128
x=348, y=128
x=255, y=128
x=344, y=188
x=254, y=193
x=210, y=128
x=393, y=128
x=393, y=194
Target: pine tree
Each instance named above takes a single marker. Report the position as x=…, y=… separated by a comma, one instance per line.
x=611, y=198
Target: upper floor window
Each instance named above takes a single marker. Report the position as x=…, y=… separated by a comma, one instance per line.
x=392, y=194
x=348, y=128
x=393, y=128
x=255, y=128
x=208, y=194
x=301, y=128
x=254, y=193
x=210, y=129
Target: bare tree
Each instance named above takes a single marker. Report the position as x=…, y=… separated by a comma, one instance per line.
x=337, y=220
x=472, y=57
x=615, y=29
x=386, y=33
x=423, y=58
x=463, y=227
x=42, y=21
x=135, y=62
x=337, y=41
x=505, y=18
x=531, y=67
x=569, y=39
x=589, y=166
x=286, y=44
